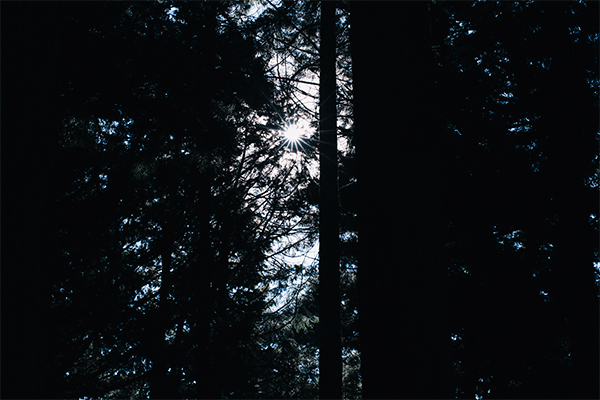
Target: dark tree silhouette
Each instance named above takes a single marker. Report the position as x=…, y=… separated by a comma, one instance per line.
x=172, y=194
x=32, y=64
x=403, y=336
x=504, y=68
x=330, y=356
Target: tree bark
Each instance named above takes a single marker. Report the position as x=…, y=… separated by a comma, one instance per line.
x=330, y=355
x=401, y=277
x=33, y=36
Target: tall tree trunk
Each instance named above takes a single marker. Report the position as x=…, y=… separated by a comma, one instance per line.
x=32, y=40
x=401, y=277
x=330, y=356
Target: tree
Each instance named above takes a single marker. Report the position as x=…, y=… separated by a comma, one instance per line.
x=499, y=117
x=32, y=67
x=291, y=34
x=184, y=183
x=144, y=195
x=330, y=357
x=501, y=59
x=403, y=334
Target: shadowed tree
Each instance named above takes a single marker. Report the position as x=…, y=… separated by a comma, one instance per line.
x=401, y=286
x=33, y=36
x=521, y=103
x=330, y=356
x=172, y=194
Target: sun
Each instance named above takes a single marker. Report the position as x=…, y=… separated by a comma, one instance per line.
x=293, y=133
x=293, y=136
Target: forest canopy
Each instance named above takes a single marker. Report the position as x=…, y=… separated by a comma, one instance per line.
x=300, y=199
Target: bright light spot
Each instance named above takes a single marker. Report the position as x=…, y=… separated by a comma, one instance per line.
x=293, y=133
x=294, y=136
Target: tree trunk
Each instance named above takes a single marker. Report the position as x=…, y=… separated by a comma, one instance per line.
x=330, y=356
x=30, y=125
x=401, y=277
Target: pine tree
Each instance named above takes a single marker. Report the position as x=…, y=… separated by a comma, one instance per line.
x=330, y=357
x=174, y=197
x=510, y=330
x=401, y=276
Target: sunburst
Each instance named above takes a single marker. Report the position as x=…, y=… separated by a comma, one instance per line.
x=294, y=136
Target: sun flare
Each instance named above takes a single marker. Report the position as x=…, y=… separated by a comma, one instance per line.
x=293, y=134
x=294, y=137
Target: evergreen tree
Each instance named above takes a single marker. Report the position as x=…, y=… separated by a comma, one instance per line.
x=174, y=193
x=401, y=276
x=291, y=33
x=32, y=35
x=330, y=357
x=501, y=62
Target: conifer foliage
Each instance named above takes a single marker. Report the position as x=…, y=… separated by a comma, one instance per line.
x=173, y=194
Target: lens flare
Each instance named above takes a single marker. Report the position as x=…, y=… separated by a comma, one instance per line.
x=293, y=136
x=293, y=133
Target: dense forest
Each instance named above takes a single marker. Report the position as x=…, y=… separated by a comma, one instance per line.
x=300, y=199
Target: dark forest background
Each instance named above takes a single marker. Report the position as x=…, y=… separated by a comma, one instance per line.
x=159, y=234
